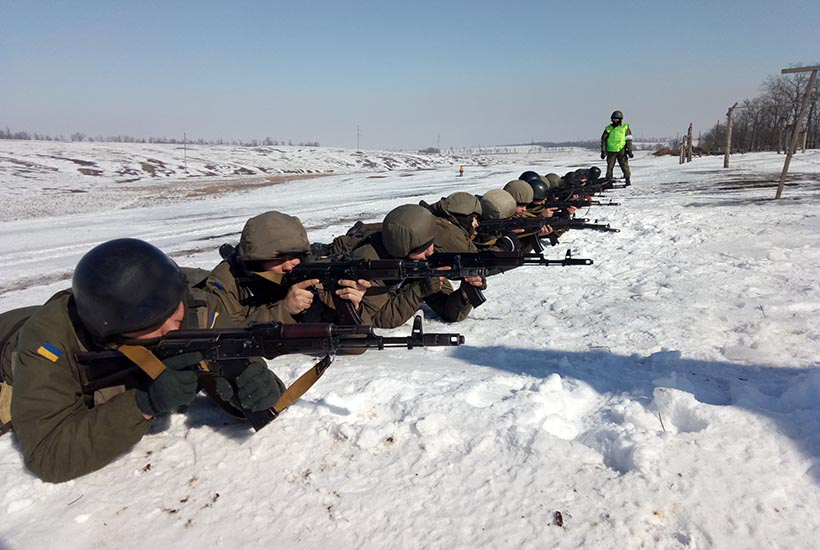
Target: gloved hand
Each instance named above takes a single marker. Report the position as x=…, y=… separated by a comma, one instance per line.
x=629, y=154
x=430, y=286
x=176, y=386
x=508, y=244
x=603, y=156
x=257, y=388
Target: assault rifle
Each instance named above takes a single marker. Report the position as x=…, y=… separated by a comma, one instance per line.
x=578, y=203
x=526, y=227
x=329, y=272
x=535, y=223
x=496, y=261
x=226, y=352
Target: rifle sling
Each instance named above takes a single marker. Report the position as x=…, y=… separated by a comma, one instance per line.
x=153, y=367
x=302, y=385
x=144, y=359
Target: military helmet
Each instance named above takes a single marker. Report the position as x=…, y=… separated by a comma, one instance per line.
x=617, y=114
x=594, y=174
x=462, y=204
x=540, y=188
x=554, y=180
x=497, y=204
x=529, y=175
x=407, y=229
x=126, y=285
x=270, y=235
x=571, y=179
x=520, y=190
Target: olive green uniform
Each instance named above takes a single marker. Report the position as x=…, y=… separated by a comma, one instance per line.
x=64, y=433
x=615, y=150
x=392, y=309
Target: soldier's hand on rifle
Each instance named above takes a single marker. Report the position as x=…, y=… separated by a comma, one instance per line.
x=174, y=387
x=475, y=281
x=572, y=210
x=299, y=298
x=549, y=212
x=603, y=156
x=544, y=231
x=353, y=291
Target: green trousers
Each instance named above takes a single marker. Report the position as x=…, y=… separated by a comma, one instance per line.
x=623, y=162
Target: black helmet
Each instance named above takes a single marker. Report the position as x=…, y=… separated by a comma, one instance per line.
x=571, y=179
x=582, y=176
x=529, y=175
x=539, y=189
x=617, y=114
x=126, y=285
x=594, y=174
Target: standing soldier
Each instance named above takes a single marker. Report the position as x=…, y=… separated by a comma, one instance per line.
x=616, y=143
x=461, y=170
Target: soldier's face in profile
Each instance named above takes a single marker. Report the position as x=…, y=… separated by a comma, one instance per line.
x=281, y=265
x=423, y=255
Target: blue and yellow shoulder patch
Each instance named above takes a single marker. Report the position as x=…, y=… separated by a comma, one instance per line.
x=214, y=317
x=50, y=352
x=217, y=285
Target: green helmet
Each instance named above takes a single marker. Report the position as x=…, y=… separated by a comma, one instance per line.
x=520, y=190
x=271, y=235
x=497, y=204
x=407, y=229
x=125, y=285
x=554, y=180
x=617, y=114
x=462, y=204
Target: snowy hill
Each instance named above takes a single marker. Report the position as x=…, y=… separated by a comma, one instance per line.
x=666, y=397
x=56, y=177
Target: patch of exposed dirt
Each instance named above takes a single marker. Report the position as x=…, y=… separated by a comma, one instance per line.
x=90, y=171
x=228, y=186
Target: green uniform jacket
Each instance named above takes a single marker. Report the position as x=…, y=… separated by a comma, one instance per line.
x=264, y=303
x=64, y=433
x=394, y=308
x=222, y=283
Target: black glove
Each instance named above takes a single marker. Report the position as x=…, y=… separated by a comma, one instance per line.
x=430, y=286
x=176, y=385
x=629, y=154
x=257, y=388
x=508, y=243
x=603, y=156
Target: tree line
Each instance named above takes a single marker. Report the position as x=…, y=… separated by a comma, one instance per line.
x=80, y=137
x=765, y=123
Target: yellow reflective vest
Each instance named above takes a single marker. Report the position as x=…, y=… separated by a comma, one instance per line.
x=616, y=139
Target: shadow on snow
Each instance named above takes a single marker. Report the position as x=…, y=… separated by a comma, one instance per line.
x=757, y=388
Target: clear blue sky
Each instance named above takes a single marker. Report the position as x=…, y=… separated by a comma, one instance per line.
x=477, y=72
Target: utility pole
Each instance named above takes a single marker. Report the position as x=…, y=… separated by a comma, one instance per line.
x=438, y=142
x=728, y=148
x=358, y=135
x=185, y=149
x=797, y=123
x=689, y=145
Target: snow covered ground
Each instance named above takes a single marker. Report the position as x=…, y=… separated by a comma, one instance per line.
x=47, y=178
x=665, y=397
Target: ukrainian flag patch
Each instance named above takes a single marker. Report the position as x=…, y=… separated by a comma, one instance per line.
x=217, y=286
x=50, y=352
x=214, y=317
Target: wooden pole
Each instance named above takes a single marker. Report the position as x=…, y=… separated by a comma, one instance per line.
x=797, y=124
x=682, y=150
x=728, y=149
x=689, y=145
